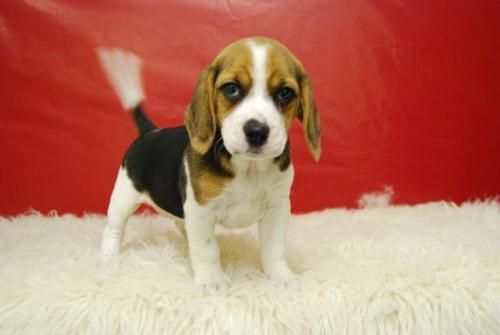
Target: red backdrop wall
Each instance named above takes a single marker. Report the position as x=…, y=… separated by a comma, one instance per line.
x=408, y=93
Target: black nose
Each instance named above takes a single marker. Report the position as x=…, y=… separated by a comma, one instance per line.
x=256, y=132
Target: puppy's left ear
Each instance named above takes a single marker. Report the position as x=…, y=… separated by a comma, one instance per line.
x=309, y=117
x=200, y=115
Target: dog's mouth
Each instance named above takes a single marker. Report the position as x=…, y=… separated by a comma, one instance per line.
x=254, y=151
x=250, y=154
x=239, y=146
x=255, y=154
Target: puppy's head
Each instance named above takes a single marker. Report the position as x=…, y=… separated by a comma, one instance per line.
x=251, y=93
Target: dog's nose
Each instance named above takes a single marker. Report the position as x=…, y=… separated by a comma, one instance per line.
x=256, y=132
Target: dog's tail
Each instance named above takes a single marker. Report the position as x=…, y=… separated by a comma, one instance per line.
x=123, y=70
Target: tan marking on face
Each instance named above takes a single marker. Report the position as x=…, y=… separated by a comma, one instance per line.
x=284, y=69
x=234, y=64
x=208, y=106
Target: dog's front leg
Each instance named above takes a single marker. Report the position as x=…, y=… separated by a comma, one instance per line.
x=272, y=234
x=204, y=249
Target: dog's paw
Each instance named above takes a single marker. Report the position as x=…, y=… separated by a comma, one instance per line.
x=109, y=252
x=213, y=282
x=285, y=279
x=110, y=245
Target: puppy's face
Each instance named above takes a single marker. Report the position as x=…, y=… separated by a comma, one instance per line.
x=250, y=94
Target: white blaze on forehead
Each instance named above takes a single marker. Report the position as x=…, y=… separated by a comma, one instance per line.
x=259, y=73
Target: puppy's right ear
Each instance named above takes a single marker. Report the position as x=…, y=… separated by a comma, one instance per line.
x=200, y=115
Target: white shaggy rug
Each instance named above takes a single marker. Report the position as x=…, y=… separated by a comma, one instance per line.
x=427, y=269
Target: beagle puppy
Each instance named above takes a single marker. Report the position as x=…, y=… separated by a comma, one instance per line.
x=229, y=164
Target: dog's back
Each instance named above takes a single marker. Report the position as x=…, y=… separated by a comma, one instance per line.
x=154, y=164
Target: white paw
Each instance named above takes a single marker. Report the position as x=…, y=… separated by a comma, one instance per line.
x=213, y=282
x=110, y=244
x=109, y=252
x=285, y=279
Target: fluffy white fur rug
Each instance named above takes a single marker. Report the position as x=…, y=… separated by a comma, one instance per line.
x=427, y=269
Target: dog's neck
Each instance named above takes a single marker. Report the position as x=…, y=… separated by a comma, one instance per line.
x=242, y=165
x=251, y=167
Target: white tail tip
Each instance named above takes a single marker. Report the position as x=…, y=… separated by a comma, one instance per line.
x=123, y=70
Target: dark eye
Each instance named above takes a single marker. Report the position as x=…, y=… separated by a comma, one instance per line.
x=283, y=96
x=232, y=91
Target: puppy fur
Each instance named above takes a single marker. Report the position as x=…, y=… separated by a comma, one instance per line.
x=229, y=164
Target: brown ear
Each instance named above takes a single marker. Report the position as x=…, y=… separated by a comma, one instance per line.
x=200, y=115
x=309, y=117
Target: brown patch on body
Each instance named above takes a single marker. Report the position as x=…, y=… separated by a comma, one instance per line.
x=208, y=173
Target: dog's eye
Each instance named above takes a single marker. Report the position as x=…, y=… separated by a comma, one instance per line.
x=283, y=96
x=232, y=91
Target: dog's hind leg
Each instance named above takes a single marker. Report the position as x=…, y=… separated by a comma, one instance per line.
x=124, y=201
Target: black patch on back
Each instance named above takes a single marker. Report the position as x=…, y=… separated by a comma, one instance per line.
x=154, y=163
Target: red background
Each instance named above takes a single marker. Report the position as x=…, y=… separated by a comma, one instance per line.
x=408, y=93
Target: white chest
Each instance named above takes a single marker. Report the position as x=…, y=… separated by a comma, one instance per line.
x=254, y=191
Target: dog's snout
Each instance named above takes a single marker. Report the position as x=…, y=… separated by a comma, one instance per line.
x=256, y=132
